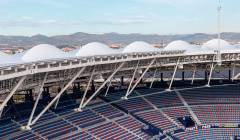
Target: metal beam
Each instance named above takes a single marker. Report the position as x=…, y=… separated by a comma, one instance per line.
x=174, y=73
x=108, y=86
x=153, y=78
x=104, y=83
x=139, y=79
x=58, y=95
x=85, y=92
x=27, y=127
x=134, y=73
x=61, y=86
x=233, y=71
x=11, y=94
x=194, y=73
x=210, y=75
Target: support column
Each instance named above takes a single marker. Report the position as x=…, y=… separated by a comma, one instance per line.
x=108, y=86
x=11, y=94
x=59, y=94
x=206, y=75
x=85, y=92
x=229, y=74
x=173, y=76
x=110, y=77
x=233, y=72
x=93, y=89
x=161, y=77
x=194, y=73
x=27, y=127
x=134, y=86
x=210, y=75
x=132, y=79
x=122, y=81
x=153, y=78
x=183, y=76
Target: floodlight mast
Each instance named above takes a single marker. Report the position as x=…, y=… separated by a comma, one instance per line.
x=219, y=59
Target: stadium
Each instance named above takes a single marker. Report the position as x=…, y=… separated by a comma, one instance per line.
x=182, y=91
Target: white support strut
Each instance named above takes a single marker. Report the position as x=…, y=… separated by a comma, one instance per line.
x=27, y=127
x=210, y=75
x=11, y=94
x=233, y=71
x=153, y=78
x=58, y=95
x=139, y=79
x=174, y=73
x=85, y=92
x=103, y=84
x=108, y=86
x=132, y=79
x=194, y=73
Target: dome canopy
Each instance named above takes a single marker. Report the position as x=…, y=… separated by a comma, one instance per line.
x=4, y=58
x=139, y=46
x=2, y=55
x=181, y=45
x=41, y=52
x=213, y=45
x=93, y=49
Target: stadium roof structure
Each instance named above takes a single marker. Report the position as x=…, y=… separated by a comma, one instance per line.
x=48, y=52
x=47, y=64
x=94, y=49
x=182, y=45
x=213, y=45
x=140, y=46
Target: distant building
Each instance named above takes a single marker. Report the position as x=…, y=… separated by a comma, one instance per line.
x=68, y=49
x=116, y=45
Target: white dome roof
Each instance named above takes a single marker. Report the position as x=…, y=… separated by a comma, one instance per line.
x=213, y=45
x=93, y=49
x=2, y=55
x=139, y=46
x=41, y=52
x=181, y=45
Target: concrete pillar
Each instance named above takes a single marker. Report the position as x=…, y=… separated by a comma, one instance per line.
x=122, y=81
x=229, y=74
x=78, y=86
x=206, y=75
x=93, y=89
x=183, y=75
x=46, y=94
x=161, y=77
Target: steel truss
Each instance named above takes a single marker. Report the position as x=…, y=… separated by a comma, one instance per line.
x=51, y=72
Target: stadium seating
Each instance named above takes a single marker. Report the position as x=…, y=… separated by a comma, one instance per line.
x=165, y=99
x=108, y=111
x=104, y=119
x=54, y=129
x=209, y=134
x=78, y=136
x=213, y=95
x=133, y=125
x=84, y=119
x=156, y=118
x=211, y=114
x=112, y=131
x=8, y=127
x=176, y=112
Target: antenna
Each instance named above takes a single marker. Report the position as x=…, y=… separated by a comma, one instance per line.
x=219, y=9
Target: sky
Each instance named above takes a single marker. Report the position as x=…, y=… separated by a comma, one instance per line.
x=55, y=17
